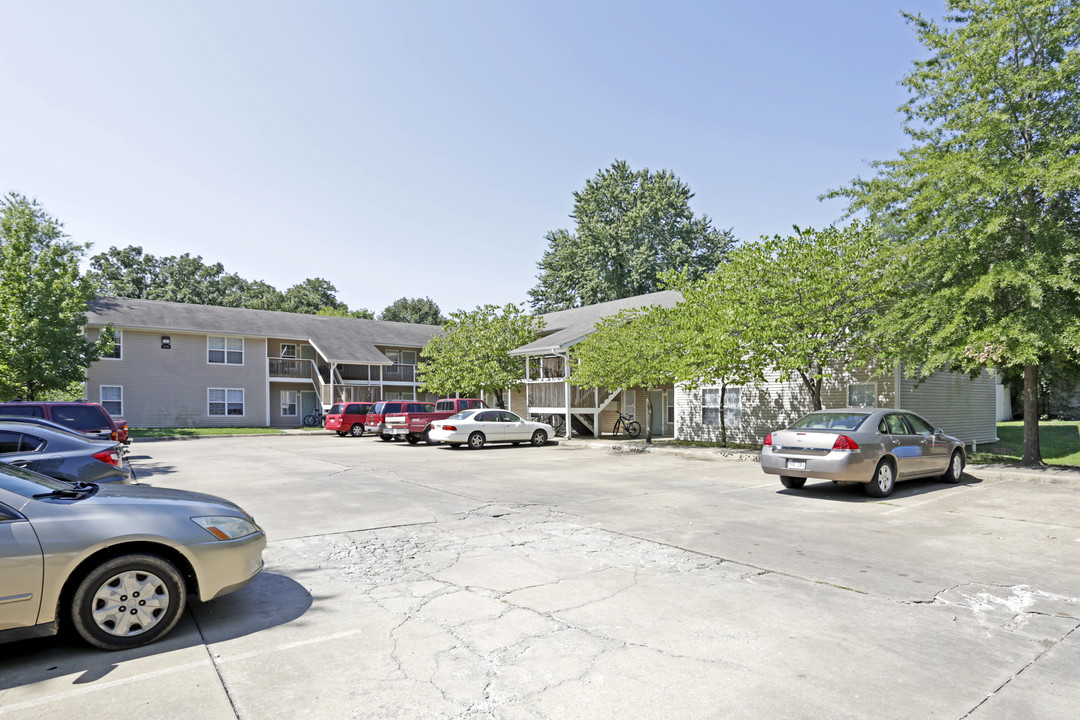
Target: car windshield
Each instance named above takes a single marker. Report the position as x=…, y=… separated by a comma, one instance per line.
x=463, y=415
x=26, y=483
x=830, y=421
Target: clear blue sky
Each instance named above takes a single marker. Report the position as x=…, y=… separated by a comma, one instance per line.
x=423, y=149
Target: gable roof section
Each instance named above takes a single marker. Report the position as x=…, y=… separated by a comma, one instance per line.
x=339, y=339
x=565, y=328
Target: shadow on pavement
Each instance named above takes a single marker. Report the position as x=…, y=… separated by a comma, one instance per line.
x=270, y=600
x=854, y=492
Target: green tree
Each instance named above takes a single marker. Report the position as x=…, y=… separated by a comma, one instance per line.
x=712, y=347
x=630, y=350
x=632, y=227
x=43, y=304
x=311, y=296
x=800, y=305
x=986, y=201
x=471, y=355
x=422, y=311
x=127, y=272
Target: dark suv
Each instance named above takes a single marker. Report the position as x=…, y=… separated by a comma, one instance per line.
x=86, y=417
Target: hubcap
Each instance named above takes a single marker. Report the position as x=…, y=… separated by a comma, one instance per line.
x=130, y=603
x=957, y=467
x=885, y=478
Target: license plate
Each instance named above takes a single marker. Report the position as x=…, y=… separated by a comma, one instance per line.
x=796, y=464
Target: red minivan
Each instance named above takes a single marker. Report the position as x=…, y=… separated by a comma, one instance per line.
x=348, y=418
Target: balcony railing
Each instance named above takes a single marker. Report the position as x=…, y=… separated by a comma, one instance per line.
x=291, y=368
x=399, y=373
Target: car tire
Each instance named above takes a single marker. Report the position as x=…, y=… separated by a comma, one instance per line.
x=883, y=482
x=427, y=437
x=476, y=441
x=793, y=483
x=341, y=433
x=385, y=438
x=955, y=469
x=412, y=439
x=356, y=430
x=454, y=446
x=539, y=438
x=117, y=583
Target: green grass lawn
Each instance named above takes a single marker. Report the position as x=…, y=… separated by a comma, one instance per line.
x=1058, y=439
x=191, y=431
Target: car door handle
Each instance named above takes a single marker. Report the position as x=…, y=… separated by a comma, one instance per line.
x=20, y=463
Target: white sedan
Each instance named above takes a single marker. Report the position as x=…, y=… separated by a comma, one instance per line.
x=479, y=426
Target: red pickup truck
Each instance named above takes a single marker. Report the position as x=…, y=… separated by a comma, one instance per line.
x=414, y=426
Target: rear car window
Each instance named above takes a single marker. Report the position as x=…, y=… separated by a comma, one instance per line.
x=444, y=405
x=830, y=421
x=24, y=410
x=334, y=410
x=353, y=409
x=11, y=442
x=392, y=408
x=81, y=417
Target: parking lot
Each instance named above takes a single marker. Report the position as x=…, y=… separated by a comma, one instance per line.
x=575, y=582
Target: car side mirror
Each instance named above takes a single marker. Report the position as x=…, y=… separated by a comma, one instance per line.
x=939, y=431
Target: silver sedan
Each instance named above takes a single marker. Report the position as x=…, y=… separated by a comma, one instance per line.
x=479, y=426
x=876, y=447
x=115, y=562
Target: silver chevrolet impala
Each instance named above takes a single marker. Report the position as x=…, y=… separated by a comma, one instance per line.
x=875, y=447
x=116, y=562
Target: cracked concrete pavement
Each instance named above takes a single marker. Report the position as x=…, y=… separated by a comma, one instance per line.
x=570, y=582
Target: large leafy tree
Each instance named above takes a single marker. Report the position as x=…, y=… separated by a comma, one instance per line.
x=423, y=311
x=632, y=227
x=43, y=304
x=630, y=350
x=712, y=346
x=986, y=200
x=799, y=305
x=471, y=355
x=129, y=272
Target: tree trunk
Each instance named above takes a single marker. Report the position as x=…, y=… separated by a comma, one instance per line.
x=499, y=400
x=1032, y=456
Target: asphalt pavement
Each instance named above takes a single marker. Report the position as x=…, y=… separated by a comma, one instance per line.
x=595, y=580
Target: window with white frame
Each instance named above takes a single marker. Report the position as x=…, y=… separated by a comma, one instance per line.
x=408, y=357
x=223, y=402
x=288, y=350
x=225, y=350
x=112, y=399
x=288, y=403
x=670, y=395
x=862, y=395
x=710, y=406
x=117, y=352
x=629, y=402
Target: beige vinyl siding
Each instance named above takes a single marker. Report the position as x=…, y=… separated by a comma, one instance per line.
x=168, y=388
x=962, y=406
x=276, y=418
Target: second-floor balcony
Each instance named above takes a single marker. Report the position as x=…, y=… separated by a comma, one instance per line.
x=291, y=368
x=399, y=373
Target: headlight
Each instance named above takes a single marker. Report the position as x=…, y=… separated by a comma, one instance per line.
x=226, y=528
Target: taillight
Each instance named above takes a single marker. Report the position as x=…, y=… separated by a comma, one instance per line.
x=768, y=440
x=843, y=442
x=451, y=428
x=109, y=457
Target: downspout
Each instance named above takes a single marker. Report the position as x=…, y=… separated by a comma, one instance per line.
x=266, y=352
x=896, y=383
x=566, y=391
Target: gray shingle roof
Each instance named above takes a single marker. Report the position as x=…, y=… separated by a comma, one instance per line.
x=567, y=327
x=339, y=339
